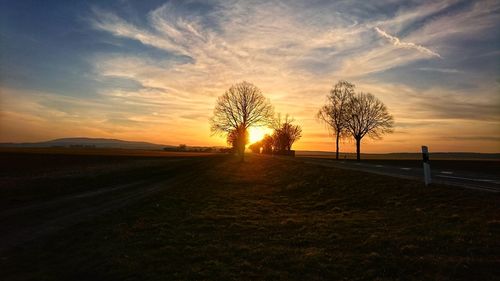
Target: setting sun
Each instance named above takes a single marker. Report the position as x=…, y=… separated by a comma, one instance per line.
x=257, y=133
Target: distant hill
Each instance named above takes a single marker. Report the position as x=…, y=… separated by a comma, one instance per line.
x=91, y=143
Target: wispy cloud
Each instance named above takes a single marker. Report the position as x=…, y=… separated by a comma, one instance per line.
x=407, y=45
x=293, y=51
x=117, y=26
x=292, y=60
x=441, y=70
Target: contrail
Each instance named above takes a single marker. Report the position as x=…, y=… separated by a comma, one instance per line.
x=396, y=42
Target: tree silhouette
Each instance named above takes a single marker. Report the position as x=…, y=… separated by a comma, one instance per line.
x=256, y=146
x=368, y=116
x=335, y=113
x=267, y=144
x=240, y=107
x=285, y=133
x=237, y=138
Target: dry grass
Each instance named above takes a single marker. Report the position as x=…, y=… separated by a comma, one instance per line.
x=271, y=219
x=102, y=152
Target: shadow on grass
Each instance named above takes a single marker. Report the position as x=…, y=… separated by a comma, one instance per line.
x=268, y=218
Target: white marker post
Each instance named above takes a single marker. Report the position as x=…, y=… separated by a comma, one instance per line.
x=427, y=166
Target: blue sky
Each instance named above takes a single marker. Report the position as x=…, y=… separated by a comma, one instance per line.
x=151, y=70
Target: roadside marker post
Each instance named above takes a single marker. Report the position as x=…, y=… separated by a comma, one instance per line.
x=427, y=166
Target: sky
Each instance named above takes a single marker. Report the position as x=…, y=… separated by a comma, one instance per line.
x=152, y=70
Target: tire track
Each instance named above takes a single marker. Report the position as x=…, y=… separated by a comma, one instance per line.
x=24, y=224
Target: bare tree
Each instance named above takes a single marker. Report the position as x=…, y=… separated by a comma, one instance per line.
x=335, y=113
x=240, y=107
x=368, y=116
x=285, y=133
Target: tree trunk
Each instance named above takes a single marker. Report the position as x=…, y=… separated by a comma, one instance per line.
x=241, y=150
x=358, y=149
x=337, y=146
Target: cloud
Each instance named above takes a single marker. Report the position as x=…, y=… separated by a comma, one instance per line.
x=291, y=55
x=294, y=52
x=441, y=70
x=474, y=138
x=478, y=20
x=115, y=25
x=407, y=45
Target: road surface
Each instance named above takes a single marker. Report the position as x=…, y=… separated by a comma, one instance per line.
x=486, y=179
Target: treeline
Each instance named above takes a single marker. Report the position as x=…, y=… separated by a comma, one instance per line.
x=285, y=134
x=185, y=148
x=346, y=113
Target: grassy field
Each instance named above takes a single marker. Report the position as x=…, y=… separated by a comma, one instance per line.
x=30, y=175
x=98, y=152
x=268, y=219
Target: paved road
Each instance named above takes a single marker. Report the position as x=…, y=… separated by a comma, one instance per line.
x=474, y=180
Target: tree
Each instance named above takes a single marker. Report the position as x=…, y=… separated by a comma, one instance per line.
x=285, y=133
x=335, y=113
x=240, y=107
x=237, y=138
x=267, y=144
x=256, y=146
x=368, y=116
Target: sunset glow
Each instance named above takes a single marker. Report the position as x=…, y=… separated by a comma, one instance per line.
x=151, y=71
x=258, y=133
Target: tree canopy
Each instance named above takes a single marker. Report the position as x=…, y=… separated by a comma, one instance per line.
x=285, y=133
x=241, y=106
x=368, y=116
x=348, y=113
x=335, y=112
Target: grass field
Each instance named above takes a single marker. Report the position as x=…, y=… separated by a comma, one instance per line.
x=98, y=152
x=214, y=218
x=29, y=175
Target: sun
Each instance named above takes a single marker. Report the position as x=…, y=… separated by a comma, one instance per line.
x=257, y=133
